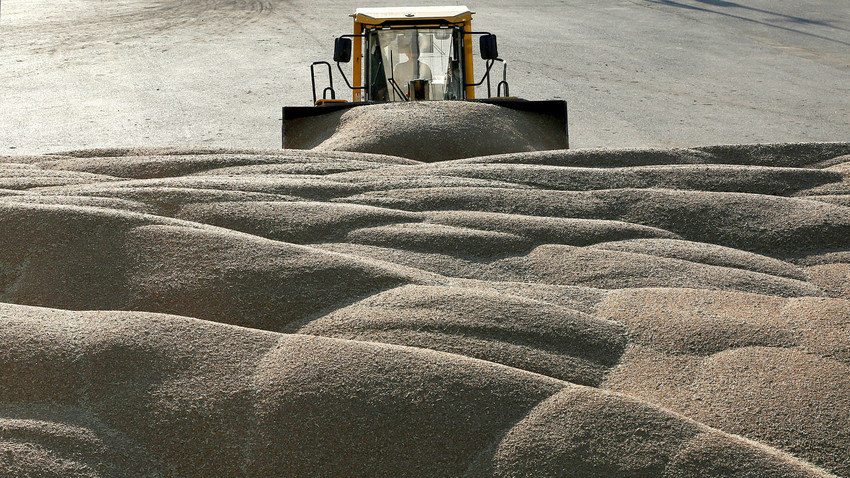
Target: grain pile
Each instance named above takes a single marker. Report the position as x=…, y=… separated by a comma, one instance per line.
x=177, y=312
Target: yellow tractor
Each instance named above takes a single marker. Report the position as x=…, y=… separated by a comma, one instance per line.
x=412, y=54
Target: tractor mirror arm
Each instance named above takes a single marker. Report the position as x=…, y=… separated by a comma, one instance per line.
x=342, y=54
x=486, y=74
x=348, y=83
x=486, y=78
x=489, y=52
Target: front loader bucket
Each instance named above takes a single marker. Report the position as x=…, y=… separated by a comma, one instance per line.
x=305, y=127
x=429, y=130
x=554, y=110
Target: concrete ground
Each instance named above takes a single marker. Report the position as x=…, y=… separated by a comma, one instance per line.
x=86, y=73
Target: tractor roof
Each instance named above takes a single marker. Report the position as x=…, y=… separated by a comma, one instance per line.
x=381, y=15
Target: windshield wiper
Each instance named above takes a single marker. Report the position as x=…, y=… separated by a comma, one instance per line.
x=397, y=89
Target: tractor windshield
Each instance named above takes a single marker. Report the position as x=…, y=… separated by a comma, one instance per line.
x=414, y=63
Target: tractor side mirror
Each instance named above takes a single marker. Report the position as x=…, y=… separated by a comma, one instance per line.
x=489, y=50
x=342, y=50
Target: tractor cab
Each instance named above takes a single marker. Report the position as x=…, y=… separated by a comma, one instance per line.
x=414, y=64
x=411, y=53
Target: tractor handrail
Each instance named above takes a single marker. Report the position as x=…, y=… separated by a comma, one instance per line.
x=503, y=82
x=330, y=81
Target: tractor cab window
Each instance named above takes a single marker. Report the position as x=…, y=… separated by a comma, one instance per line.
x=414, y=63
